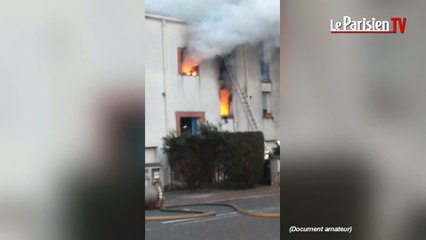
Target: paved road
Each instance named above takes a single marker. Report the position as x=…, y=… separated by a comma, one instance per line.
x=227, y=225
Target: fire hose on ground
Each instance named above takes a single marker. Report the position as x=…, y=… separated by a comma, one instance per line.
x=154, y=199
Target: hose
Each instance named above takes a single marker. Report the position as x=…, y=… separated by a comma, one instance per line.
x=201, y=214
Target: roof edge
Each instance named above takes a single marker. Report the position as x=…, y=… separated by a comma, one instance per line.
x=165, y=18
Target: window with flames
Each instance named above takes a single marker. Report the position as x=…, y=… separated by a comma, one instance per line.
x=186, y=65
x=225, y=103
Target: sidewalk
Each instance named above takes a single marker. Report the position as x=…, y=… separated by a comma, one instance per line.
x=179, y=197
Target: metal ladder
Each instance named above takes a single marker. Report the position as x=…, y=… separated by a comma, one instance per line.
x=253, y=123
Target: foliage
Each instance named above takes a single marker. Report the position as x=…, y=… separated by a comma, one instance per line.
x=199, y=160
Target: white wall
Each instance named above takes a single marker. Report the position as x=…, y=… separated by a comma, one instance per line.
x=155, y=119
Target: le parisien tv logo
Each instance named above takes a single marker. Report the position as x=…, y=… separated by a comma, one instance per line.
x=372, y=26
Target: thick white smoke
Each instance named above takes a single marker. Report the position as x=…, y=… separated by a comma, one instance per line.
x=220, y=26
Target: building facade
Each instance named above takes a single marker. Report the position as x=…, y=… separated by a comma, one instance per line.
x=177, y=99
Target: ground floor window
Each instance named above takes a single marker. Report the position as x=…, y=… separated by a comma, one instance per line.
x=189, y=125
x=187, y=122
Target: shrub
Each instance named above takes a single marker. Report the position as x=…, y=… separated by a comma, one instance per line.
x=243, y=159
x=197, y=160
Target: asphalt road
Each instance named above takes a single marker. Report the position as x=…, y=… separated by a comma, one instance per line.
x=227, y=225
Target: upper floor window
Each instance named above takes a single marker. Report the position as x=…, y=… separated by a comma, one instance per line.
x=264, y=68
x=266, y=105
x=188, y=122
x=223, y=71
x=187, y=66
x=225, y=102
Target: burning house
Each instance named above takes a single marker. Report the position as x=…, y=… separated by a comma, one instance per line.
x=182, y=92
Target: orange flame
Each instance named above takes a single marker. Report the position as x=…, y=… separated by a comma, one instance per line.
x=189, y=66
x=224, y=102
x=192, y=72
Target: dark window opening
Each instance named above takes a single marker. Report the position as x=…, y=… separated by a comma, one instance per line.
x=186, y=65
x=189, y=125
x=223, y=71
x=264, y=68
x=188, y=122
x=225, y=65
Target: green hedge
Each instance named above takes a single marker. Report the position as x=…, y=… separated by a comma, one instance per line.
x=196, y=160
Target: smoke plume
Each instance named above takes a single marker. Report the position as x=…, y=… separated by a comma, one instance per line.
x=220, y=26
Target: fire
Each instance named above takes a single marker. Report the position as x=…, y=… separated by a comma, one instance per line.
x=192, y=72
x=190, y=67
x=224, y=102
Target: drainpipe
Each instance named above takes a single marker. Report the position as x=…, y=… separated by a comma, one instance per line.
x=164, y=48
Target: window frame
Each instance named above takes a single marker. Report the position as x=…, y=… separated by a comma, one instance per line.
x=179, y=115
